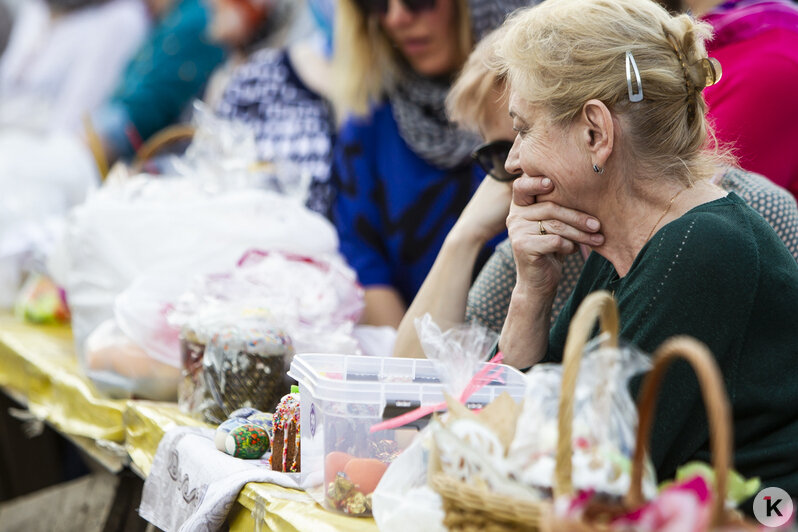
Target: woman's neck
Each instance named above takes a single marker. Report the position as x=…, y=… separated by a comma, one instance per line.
x=631, y=217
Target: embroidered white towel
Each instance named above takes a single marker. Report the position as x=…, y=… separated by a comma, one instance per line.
x=192, y=485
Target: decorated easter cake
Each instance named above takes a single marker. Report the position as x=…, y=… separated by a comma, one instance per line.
x=286, y=452
x=244, y=366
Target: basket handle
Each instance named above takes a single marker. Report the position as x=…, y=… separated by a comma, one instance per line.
x=161, y=140
x=716, y=405
x=597, y=305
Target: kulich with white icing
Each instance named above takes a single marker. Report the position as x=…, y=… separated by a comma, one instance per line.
x=285, y=443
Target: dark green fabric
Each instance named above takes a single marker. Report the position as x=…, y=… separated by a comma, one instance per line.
x=722, y=275
x=169, y=70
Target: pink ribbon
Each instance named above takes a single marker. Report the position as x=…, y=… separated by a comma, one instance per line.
x=484, y=376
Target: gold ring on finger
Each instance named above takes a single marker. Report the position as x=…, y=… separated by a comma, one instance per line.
x=541, y=228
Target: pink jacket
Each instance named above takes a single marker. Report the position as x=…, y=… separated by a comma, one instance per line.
x=755, y=105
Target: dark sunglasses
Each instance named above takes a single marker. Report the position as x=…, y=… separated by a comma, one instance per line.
x=491, y=156
x=380, y=7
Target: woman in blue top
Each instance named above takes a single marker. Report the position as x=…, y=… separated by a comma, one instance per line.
x=402, y=171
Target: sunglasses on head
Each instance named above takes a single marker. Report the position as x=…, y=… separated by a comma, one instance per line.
x=380, y=7
x=491, y=156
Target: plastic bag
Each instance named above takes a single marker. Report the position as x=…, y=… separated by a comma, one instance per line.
x=312, y=300
x=119, y=366
x=403, y=493
x=171, y=228
x=316, y=299
x=141, y=312
x=375, y=341
x=244, y=365
x=41, y=301
x=233, y=356
x=457, y=353
x=514, y=453
x=192, y=391
x=224, y=155
x=403, y=500
x=41, y=178
x=604, y=424
x=324, y=287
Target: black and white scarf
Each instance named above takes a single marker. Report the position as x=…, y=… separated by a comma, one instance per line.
x=419, y=102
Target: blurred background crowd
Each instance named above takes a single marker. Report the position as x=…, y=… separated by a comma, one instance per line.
x=310, y=176
x=340, y=106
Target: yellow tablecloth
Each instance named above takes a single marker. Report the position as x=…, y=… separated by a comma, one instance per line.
x=39, y=367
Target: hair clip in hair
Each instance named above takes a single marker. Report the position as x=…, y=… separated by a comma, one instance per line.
x=712, y=70
x=634, y=96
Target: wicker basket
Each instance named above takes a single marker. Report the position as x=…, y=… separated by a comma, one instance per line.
x=472, y=508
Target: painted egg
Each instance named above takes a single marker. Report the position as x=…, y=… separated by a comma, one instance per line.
x=223, y=430
x=244, y=412
x=334, y=463
x=247, y=441
x=263, y=420
x=365, y=472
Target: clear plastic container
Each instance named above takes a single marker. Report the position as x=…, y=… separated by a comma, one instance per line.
x=342, y=397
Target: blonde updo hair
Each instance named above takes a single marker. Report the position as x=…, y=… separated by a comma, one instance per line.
x=468, y=101
x=365, y=62
x=562, y=53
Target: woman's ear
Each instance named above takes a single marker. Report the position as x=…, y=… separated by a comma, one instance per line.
x=597, y=125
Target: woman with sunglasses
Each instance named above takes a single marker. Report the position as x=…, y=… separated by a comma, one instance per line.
x=403, y=172
x=478, y=102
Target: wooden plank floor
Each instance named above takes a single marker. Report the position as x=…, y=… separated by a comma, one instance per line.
x=78, y=505
x=99, y=502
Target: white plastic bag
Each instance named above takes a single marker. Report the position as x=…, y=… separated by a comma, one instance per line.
x=141, y=313
x=604, y=422
x=41, y=178
x=121, y=367
x=224, y=155
x=403, y=500
x=457, y=353
x=315, y=298
x=169, y=227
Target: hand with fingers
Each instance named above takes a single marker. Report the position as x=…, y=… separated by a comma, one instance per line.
x=485, y=215
x=542, y=233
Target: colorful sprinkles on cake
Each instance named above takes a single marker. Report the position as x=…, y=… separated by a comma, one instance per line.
x=286, y=438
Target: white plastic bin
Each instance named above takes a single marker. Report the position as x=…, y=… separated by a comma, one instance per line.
x=342, y=396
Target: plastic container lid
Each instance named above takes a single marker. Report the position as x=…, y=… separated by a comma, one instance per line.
x=404, y=382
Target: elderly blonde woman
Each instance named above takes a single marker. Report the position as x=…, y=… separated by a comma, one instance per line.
x=477, y=101
x=606, y=101
x=403, y=171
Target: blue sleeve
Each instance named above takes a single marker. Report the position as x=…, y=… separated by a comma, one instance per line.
x=355, y=211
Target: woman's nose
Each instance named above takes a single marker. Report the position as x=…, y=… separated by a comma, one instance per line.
x=397, y=14
x=513, y=162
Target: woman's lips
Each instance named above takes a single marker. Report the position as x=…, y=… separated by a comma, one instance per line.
x=415, y=46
